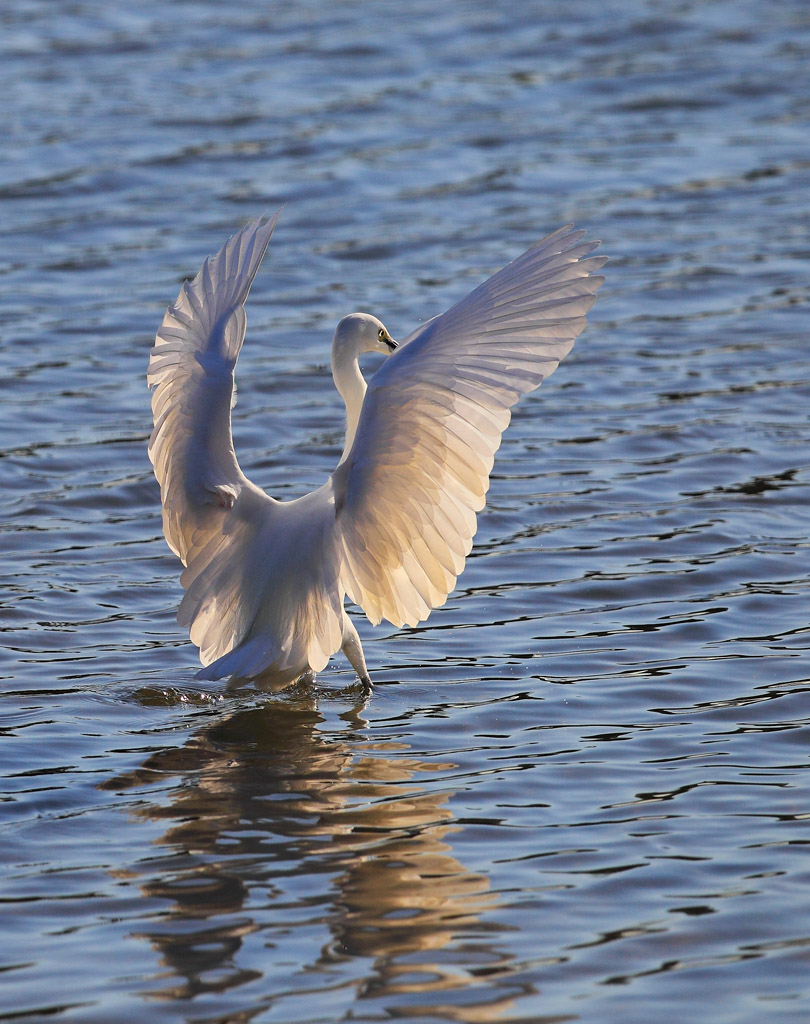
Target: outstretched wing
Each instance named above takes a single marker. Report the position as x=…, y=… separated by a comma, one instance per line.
x=212, y=514
x=191, y=369
x=418, y=472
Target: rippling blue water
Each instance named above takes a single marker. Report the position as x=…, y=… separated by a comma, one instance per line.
x=584, y=793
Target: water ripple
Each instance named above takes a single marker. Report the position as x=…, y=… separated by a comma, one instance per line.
x=580, y=790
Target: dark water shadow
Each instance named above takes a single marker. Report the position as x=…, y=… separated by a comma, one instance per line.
x=276, y=827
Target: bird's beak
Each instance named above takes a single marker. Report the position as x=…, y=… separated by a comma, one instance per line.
x=391, y=344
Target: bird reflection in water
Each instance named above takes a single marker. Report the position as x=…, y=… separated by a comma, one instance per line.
x=278, y=827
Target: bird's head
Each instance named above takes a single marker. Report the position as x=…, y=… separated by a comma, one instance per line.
x=361, y=332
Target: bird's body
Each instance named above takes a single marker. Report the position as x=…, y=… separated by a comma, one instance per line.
x=391, y=528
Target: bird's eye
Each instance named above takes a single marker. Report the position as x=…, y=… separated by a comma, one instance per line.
x=381, y=334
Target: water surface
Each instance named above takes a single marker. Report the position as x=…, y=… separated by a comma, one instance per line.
x=581, y=790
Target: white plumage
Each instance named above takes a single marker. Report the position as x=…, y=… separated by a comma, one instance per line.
x=391, y=528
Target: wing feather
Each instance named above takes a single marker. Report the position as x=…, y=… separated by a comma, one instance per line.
x=248, y=605
x=433, y=416
x=191, y=371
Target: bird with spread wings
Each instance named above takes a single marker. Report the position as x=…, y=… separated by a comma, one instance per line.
x=265, y=581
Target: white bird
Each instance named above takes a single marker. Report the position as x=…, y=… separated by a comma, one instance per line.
x=265, y=580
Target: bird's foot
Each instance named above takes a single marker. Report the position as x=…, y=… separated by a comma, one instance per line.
x=366, y=684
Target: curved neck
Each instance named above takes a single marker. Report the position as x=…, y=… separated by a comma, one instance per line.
x=352, y=387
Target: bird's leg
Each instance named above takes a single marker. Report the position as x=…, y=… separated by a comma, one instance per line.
x=353, y=650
